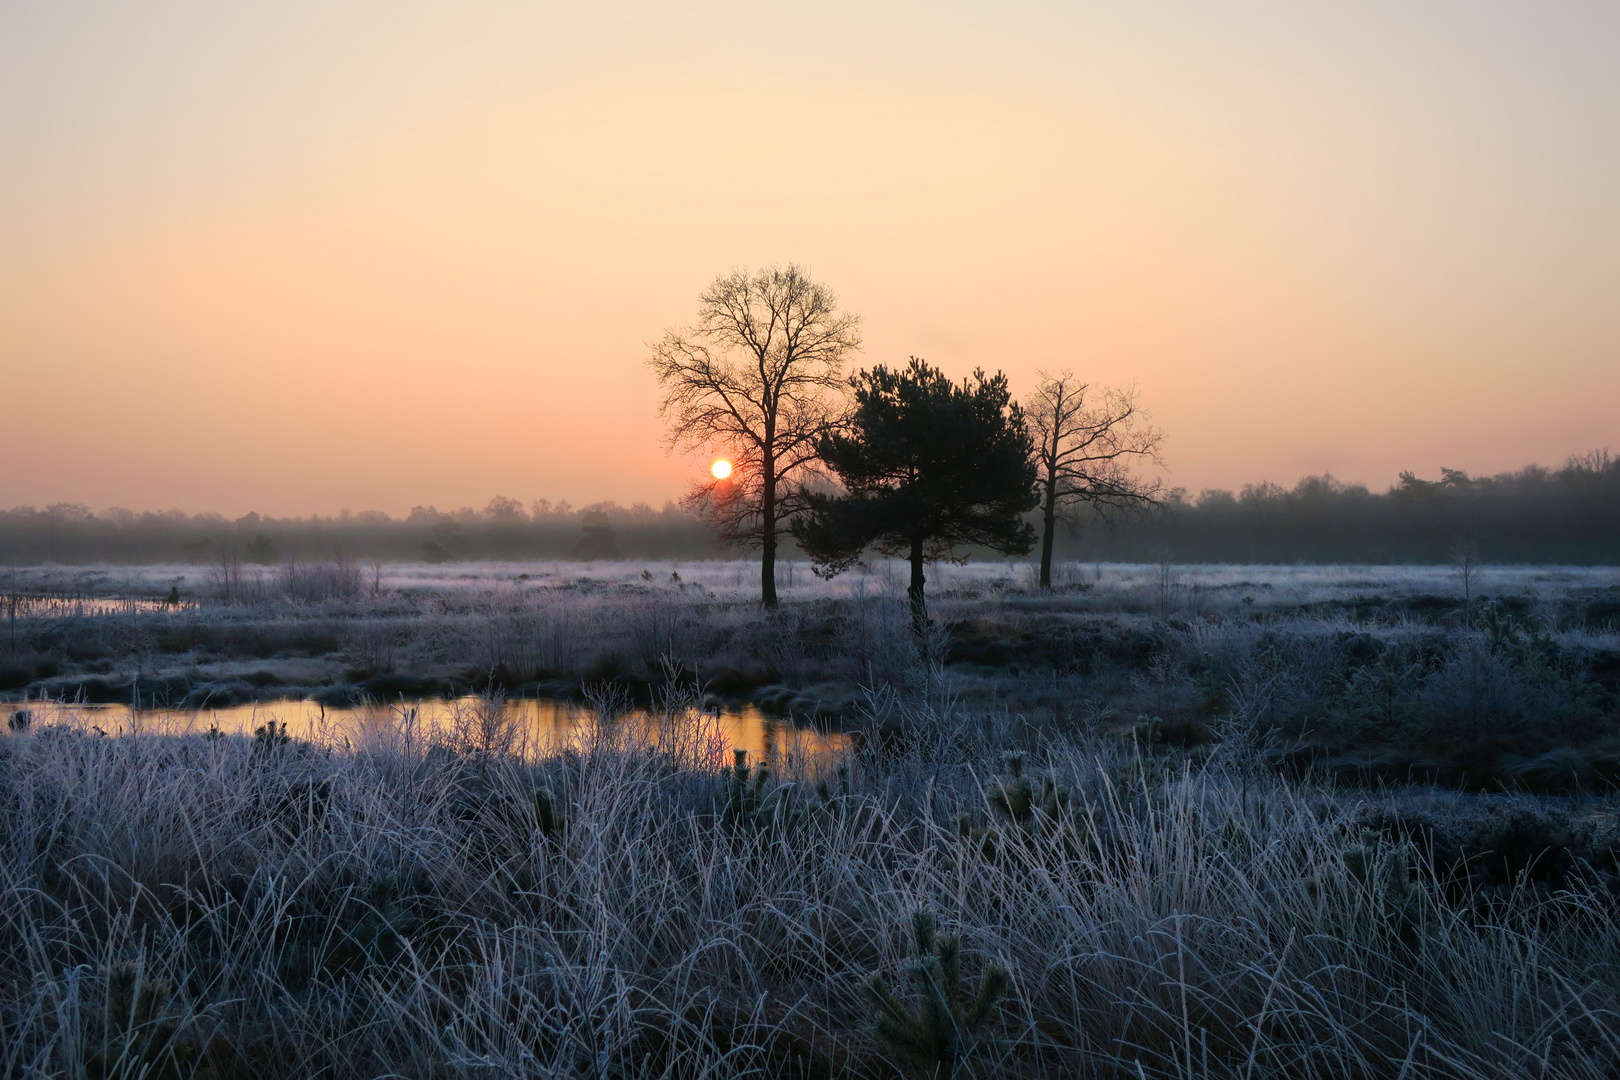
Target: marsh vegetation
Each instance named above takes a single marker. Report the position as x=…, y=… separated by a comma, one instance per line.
x=1504, y=680
x=1163, y=821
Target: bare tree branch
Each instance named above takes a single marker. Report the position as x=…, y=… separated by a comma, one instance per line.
x=757, y=377
x=1087, y=441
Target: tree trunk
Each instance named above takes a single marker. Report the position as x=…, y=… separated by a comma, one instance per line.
x=1048, y=529
x=767, y=553
x=919, y=606
x=767, y=570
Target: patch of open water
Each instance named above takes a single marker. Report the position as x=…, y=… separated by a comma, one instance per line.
x=71, y=607
x=528, y=726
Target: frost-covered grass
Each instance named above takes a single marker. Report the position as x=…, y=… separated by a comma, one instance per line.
x=226, y=908
x=738, y=579
x=1216, y=859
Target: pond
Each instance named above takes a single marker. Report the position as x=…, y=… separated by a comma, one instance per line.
x=527, y=726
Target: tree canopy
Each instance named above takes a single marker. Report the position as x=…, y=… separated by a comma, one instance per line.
x=756, y=377
x=1086, y=440
x=927, y=466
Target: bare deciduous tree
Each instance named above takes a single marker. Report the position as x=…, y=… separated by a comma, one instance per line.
x=758, y=377
x=1086, y=441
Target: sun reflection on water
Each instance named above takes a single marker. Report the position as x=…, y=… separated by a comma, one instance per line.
x=527, y=726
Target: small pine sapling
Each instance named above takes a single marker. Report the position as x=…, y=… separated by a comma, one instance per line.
x=1029, y=800
x=1399, y=900
x=946, y=1030
x=1146, y=731
x=781, y=811
x=384, y=926
x=142, y=1038
x=752, y=800
x=1027, y=805
x=834, y=798
x=548, y=824
x=745, y=785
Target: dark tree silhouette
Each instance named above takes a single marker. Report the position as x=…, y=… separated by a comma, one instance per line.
x=756, y=377
x=927, y=466
x=263, y=551
x=1086, y=440
x=596, y=537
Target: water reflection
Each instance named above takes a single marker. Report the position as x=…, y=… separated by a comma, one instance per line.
x=527, y=726
x=71, y=607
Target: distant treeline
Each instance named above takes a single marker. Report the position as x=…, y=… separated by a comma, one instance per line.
x=504, y=529
x=1536, y=515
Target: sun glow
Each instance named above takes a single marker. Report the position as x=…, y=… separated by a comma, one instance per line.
x=721, y=469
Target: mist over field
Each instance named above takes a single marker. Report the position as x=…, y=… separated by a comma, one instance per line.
x=843, y=541
x=1569, y=514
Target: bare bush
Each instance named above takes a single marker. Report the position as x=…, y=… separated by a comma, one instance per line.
x=313, y=583
x=484, y=726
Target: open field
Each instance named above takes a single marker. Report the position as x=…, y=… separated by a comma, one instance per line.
x=1383, y=673
x=739, y=578
x=1209, y=821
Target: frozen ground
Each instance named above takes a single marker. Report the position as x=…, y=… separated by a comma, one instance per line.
x=1212, y=821
x=738, y=579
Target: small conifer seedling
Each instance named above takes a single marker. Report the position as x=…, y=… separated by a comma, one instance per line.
x=142, y=1038
x=946, y=1029
x=1399, y=901
x=1025, y=798
x=270, y=736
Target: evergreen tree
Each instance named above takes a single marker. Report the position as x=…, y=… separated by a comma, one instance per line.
x=927, y=466
x=947, y=1027
x=263, y=551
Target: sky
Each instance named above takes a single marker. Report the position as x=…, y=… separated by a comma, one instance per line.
x=312, y=255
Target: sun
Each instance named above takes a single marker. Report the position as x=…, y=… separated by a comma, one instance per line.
x=721, y=469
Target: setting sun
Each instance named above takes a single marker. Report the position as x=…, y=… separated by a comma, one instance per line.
x=721, y=469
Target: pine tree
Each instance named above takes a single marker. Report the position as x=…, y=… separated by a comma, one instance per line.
x=928, y=466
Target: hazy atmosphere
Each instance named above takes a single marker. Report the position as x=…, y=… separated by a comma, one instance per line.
x=314, y=256
x=882, y=541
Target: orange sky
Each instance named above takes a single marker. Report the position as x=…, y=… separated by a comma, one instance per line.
x=306, y=256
